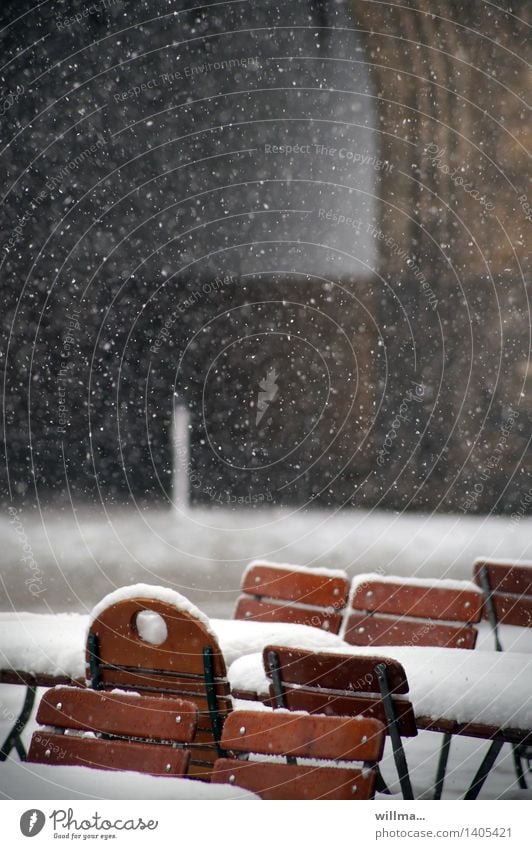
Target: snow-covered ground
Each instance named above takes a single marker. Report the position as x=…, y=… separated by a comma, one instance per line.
x=72, y=559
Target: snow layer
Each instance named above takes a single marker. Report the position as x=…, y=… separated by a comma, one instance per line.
x=238, y=637
x=40, y=781
x=503, y=561
x=164, y=594
x=427, y=583
x=247, y=674
x=292, y=567
x=55, y=644
x=466, y=686
x=44, y=644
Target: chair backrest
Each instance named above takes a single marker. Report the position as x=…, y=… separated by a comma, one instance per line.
x=294, y=594
x=300, y=738
x=154, y=647
x=117, y=731
x=397, y=611
x=338, y=685
x=507, y=589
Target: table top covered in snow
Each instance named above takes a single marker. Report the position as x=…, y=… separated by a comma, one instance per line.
x=54, y=644
x=489, y=688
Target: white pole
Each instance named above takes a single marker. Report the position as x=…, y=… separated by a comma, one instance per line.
x=181, y=457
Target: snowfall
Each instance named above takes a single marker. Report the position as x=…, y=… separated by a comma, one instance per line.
x=76, y=558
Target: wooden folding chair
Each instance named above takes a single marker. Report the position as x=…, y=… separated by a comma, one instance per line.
x=346, y=685
x=114, y=731
x=507, y=593
x=187, y=663
x=394, y=611
x=305, y=742
x=294, y=594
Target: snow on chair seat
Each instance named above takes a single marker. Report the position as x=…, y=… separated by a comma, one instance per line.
x=283, y=593
x=308, y=744
x=114, y=731
x=154, y=641
x=386, y=611
x=345, y=685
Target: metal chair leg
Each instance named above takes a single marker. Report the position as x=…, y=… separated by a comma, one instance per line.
x=490, y=607
x=212, y=701
x=521, y=780
x=483, y=770
x=13, y=740
x=380, y=784
x=442, y=764
x=393, y=730
x=94, y=661
x=273, y=661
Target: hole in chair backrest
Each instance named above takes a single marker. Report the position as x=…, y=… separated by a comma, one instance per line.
x=151, y=627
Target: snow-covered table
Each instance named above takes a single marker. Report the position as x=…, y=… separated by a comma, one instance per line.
x=448, y=687
x=41, y=650
x=51, y=647
x=487, y=695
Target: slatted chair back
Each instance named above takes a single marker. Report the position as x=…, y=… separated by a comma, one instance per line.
x=153, y=647
x=507, y=590
x=114, y=731
x=294, y=594
x=345, y=685
x=309, y=744
x=397, y=612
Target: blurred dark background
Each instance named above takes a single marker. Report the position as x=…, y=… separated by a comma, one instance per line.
x=196, y=198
